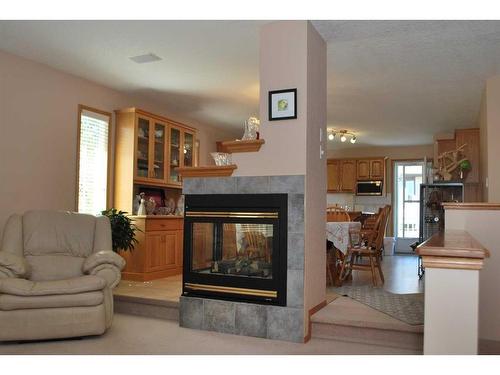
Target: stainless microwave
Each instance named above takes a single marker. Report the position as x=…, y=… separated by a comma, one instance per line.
x=369, y=187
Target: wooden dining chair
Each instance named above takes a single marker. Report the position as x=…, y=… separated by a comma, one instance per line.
x=368, y=244
x=337, y=213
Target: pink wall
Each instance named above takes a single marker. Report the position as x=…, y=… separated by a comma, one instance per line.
x=293, y=55
x=38, y=128
x=283, y=64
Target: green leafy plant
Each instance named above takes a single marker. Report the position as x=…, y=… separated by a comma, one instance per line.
x=122, y=230
x=465, y=165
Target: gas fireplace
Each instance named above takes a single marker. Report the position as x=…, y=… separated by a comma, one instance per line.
x=235, y=247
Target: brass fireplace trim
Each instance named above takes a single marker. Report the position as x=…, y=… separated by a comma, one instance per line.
x=232, y=290
x=233, y=214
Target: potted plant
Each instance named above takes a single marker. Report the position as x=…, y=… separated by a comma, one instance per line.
x=464, y=166
x=122, y=230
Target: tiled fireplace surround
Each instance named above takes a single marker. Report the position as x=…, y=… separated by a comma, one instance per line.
x=247, y=319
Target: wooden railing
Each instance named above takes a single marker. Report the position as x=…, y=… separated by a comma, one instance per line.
x=452, y=260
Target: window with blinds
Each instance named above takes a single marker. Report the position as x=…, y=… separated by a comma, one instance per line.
x=93, y=149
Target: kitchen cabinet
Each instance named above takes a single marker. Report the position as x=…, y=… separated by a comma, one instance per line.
x=370, y=169
x=341, y=175
x=363, y=169
x=333, y=176
x=158, y=253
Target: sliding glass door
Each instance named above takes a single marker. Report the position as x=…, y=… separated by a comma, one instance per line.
x=408, y=175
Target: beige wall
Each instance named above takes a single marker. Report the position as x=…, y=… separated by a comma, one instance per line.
x=315, y=204
x=489, y=124
x=482, y=225
x=38, y=129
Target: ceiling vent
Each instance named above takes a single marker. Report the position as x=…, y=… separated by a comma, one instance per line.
x=147, y=58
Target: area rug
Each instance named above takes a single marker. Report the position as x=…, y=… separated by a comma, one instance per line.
x=408, y=308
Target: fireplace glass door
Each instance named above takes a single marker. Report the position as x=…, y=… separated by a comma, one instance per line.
x=233, y=249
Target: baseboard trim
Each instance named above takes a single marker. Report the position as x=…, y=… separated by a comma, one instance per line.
x=488, y=346
x=311, y=312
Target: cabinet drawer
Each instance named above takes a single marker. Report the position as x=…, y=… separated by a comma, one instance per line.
x=164, y=224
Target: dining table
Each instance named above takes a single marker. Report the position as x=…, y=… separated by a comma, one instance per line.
x=338, y=233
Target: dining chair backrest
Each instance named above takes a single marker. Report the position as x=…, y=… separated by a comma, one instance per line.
x=336, y=213
x=382, y=227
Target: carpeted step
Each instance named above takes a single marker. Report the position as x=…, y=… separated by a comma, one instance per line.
x=348, y=320
x=151, y=308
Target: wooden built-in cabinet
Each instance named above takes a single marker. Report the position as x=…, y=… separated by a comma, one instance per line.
x=149, y=148
x=159, y=251
x=342, y=174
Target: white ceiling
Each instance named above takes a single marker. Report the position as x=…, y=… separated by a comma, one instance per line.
x=391, y=82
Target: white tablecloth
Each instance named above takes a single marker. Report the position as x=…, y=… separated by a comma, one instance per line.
x=338, y=233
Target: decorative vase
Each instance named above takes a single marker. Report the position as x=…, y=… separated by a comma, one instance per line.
x=251, y=129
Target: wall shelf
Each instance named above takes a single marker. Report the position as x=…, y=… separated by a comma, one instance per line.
x=208, y=171
x=232, y=147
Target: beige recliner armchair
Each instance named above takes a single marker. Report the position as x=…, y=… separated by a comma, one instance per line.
x=57, y=273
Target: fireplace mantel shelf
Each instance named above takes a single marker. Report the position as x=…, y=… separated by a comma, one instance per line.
x=232, y=147
x=207, y=171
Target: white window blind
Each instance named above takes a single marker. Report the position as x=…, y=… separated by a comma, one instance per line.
x=93, y=162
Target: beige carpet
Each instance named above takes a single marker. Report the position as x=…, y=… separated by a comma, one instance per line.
x=138, y=335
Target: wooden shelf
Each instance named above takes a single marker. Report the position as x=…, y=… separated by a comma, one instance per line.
x=232, y=147
x=209, y=171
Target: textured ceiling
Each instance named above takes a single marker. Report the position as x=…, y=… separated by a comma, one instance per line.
x=391, y=82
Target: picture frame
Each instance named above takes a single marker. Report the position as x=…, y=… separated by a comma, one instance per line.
x=282, y=104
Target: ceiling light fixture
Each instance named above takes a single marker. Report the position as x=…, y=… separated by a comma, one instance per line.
x=343, y=135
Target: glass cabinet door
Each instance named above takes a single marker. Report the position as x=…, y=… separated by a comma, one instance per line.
x=142, y=155
x=160, y=137
x=175, y=157
x=188, y=150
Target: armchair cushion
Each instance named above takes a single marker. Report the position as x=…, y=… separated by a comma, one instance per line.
x=10, y=302
x=17, y=265
x=103, y=257
x=22, y=287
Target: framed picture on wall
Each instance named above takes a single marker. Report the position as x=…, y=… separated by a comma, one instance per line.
x=282, y=104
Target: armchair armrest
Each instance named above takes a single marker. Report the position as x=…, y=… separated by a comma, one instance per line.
x=12, y=265
x=105, y=264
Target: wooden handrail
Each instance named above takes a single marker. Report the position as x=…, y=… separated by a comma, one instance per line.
x=471, y=206
x=452, y=249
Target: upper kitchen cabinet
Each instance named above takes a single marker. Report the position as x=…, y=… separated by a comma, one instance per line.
x=370, y=169
x=333, y=176
x=341, y=175
x=149, y=148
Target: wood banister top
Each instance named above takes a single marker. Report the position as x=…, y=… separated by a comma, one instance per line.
x=453, y=243
x=471, y=206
